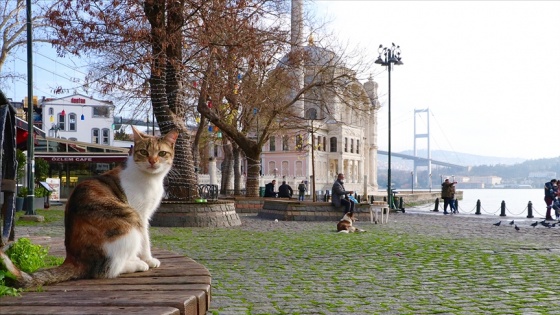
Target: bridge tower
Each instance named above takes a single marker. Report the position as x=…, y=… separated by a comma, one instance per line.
x=423, y=134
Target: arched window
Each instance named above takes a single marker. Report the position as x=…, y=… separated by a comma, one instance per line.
x=272, y=143
x=333, y=144
x=72, y=122
x=299, y=142
x=285, y=145
x=106, y=133
x=51, y=111
x=285, y=168
x=311, y=113
x=61, y=122
x=272, y=168
x=95, y=135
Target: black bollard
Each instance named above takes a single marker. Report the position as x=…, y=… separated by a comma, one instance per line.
x=503, y=208
x=401, y=207
x=477, y=207
x=530, y=210
x=371, y=199
x=436, y=206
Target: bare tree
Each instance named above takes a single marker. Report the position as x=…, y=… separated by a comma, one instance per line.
x=13, y=27
x=254, y=70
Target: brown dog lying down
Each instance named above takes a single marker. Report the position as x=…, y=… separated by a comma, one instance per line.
x=345, y=224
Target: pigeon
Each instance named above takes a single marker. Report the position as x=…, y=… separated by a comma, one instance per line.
x=512, y=222
x=546, y=224
x=498, y=223
x=517, y=228
x=553, y=225
x=535, y=224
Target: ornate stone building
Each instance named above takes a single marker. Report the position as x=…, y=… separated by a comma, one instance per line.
x=341, y=136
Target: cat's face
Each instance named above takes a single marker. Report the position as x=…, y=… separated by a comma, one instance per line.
x=154, y=155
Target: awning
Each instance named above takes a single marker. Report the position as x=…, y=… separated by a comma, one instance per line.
x=22, y=132
x=89, y=158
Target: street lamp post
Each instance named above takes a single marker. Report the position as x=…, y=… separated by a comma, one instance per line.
x=314, y=194
x=389, y=56
x=412, y=182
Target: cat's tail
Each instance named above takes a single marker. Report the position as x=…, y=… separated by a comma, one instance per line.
x=61, y=273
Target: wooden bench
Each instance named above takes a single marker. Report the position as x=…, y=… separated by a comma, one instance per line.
x=293, y=210
x=180, y=286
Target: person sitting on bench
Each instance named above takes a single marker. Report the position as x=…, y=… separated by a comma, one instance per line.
x=339, y=195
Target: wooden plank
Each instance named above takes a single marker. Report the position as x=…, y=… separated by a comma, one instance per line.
x=187, y=304
x=86, y=310
x=202, y=294
x=179, y=286
x=135, y=281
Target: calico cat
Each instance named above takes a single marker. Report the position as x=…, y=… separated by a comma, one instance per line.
x=106, y=218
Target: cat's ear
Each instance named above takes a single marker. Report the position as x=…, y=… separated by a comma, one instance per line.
x=171, y=136
x=137, y=134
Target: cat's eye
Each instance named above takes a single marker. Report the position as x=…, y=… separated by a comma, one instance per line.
x=163, y=153
x=143, y=152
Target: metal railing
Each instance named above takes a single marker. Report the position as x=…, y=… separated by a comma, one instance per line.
x=182, y=192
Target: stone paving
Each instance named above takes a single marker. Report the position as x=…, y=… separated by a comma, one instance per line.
x=418, y=263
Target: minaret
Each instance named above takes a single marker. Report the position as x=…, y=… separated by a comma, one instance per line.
x=297, y=24
x=296, y=41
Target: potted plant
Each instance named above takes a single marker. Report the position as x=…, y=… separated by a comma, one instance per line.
x=20, y=198
x=20, y=171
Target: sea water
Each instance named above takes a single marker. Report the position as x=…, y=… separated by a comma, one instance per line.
x=516, y=202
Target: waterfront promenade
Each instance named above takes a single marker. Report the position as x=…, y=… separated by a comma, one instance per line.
x=418, y=263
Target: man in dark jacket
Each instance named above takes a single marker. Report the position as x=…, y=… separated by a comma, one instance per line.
x=285, y=191
x=550, y=191
x=339, y=197
x=448, y=195
x=269, y=189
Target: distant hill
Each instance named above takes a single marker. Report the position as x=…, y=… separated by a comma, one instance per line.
x=449, y=157
x=466, y=158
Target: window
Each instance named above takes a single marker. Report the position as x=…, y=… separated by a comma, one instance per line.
x=101, y=111
x=215, y=151
x=324, y=143
x=351, y=145
x=61, y=122
x=272, y=144
x=299, y=142
x=272, y=168
x=72, y=122
x=358, y=146
x=333, y=144
x=95, y=135
x=106, y=133
x=299, y=168
x=345, y=144
x=318, y=143
x=285, y=146
x=51, y=111
x=311, y=113
x=285, y=168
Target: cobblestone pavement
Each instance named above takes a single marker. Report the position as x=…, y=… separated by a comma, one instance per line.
x=419, y=263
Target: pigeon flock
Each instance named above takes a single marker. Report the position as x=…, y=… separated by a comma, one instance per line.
x=534, y=224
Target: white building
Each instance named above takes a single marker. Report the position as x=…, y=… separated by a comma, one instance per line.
x=80, y=118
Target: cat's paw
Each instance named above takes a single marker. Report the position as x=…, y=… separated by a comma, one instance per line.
x=153, y=262
x=134, y=265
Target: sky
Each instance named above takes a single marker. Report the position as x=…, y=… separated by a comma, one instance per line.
x=489, y=72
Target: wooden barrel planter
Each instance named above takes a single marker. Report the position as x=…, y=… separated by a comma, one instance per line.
x=180, y=209
x=193, y=214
